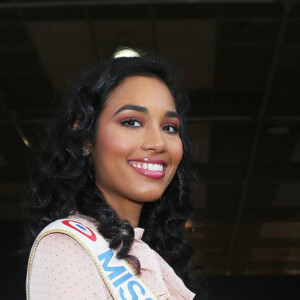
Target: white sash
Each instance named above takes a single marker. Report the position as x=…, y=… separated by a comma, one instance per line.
x=117, y=274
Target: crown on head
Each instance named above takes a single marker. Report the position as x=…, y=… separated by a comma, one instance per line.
x=126, y=52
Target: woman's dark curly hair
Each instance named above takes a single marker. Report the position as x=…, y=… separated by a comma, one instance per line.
x=63, y=182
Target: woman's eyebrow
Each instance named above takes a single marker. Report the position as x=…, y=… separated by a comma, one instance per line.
x=169, y=114
x=172, y=114
x=131, y=107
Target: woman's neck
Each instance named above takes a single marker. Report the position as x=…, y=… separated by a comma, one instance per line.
x=126, y=209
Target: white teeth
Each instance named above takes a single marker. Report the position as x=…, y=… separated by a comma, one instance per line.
x=150, y=167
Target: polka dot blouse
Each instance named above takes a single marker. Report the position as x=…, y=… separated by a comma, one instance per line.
x=62, y=269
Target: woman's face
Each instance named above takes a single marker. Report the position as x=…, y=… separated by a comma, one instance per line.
x=137, y=147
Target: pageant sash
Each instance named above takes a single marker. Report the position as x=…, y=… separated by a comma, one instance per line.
x=118, y=275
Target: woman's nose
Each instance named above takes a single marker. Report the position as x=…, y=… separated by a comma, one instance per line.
x=154, y=141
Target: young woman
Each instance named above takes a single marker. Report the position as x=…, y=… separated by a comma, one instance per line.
x=114, y=167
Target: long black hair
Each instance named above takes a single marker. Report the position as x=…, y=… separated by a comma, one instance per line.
x=63, y=181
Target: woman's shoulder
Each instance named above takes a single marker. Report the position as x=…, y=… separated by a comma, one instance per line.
x=67, y=226
x=86, y=220
x=61, y=266
x=58, y=246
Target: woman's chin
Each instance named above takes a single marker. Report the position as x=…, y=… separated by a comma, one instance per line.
x=146, y=197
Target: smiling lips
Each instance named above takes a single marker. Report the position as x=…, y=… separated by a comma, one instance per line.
x=149, y=167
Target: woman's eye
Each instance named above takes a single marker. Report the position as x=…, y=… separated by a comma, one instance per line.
x=171, y=129
x=131, y=123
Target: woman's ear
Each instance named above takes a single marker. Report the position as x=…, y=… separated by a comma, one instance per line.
x=87, y=148
x=75, y=125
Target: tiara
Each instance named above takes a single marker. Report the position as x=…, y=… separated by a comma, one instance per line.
x=126, y=52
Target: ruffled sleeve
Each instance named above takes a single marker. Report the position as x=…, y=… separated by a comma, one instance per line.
x=156, y=273
x=173, y=283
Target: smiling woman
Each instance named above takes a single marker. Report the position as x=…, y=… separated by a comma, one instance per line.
x=137, y=146
x=109, y=198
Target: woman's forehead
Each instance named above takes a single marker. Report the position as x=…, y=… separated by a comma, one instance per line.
x=141, y=90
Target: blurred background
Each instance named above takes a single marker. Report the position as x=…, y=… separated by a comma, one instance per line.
x=240, y=61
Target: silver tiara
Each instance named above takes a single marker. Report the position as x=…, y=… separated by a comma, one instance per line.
x=126, y=52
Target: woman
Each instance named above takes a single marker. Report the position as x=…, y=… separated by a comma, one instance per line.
x=115, y=162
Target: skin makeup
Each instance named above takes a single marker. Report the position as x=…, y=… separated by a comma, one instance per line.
x=138, y=148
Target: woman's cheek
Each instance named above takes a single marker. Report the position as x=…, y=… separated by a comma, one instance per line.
x=116, y=140
x=178, y=150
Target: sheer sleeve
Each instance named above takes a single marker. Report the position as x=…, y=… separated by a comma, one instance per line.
x=62, y=269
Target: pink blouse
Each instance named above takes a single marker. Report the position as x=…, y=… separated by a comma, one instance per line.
x=62, y=269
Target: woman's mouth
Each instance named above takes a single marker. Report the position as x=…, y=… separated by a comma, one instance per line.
x=153, y=170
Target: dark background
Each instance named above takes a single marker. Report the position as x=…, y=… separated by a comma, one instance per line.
x=241, y=63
